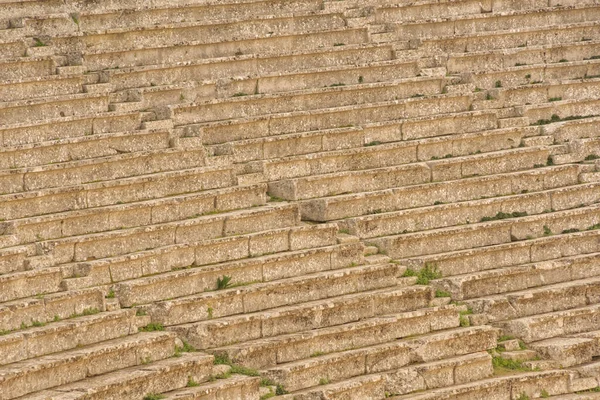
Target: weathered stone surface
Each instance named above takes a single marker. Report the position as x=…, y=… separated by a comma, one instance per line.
x=361, y=199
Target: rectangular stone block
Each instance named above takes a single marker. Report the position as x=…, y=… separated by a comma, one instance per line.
x=65, y=335
x=315, y=99
x=454, y=371
x=65, y=150
x=27, y=68
x=162, y=376
x=547, y=326
x=37, y=110
x=29, y=283
x=263, y=353
x=443, y=240
x=51, y=371
x=445, y=215
x=347, y=182
x=194, y=50
x=161, y=185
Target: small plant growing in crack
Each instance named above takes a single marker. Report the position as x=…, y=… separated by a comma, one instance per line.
x=223, y=282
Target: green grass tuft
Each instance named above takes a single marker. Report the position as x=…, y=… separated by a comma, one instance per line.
x=502, y=215
x=427, y=273
x=154, y=396
x=224, y=282
x=153, y=327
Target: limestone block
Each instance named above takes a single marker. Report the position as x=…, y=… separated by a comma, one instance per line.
x=567, y=351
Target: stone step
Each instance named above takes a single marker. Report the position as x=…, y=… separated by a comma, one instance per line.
x=377, y=259
x=267, y=89
x=268, y=295
x=44, y=50
x=123, y=241
x=100, y=169
x=306, y=316
x=372, y=137
x=566, y=351
x=379, y=155
x=311, y=187
x=530, y=384
x=585, y=395
x=7, y=239
x=263, y=353
x=26, y=67
x=497, y=60
x=50, y=371
x=85, y=104
x=367, y=387
x=290, y=145
x=29, y=283
x=459, y=213
x=159, y=98
x=144, y=213
x=24, y=313
x=98, y=88
x=126, y=106
x=551, y=325
x=240, y=253
x=128, y=190
x=324, y=76
x=563, y=109
x=594, y=335
x=340, y=366
x=121, y=16
x=19, y=10
x=520, y=355
x=496, y=232
x=312, y=99
x=360, y=158
x=511, y=77
x=571, y=130
x=170, y=374
x=387, y=200
x=81, y=148
x=54, y=129
x=520, y=122
x=355, y=115
x=472, y=24
x=213, y=32
x=537, y=102
x=14, y=49
x=580, y=150
x=243, y=65
x=158, y=124
x=275, y=45
x=516, y=278
x=66, y=335
x=522, y=37
x=48, y=86
x=70, y=70
x=238, y=387
x=375, y=132
x=55, y=22
x=377, y=351
x=511, y=254
x=588, y=369
x=12, y=259
x=403, y=13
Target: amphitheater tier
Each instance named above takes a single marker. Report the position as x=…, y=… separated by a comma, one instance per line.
x=299, y=199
